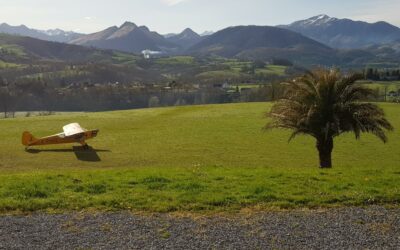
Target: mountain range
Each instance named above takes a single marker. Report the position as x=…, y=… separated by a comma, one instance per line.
x=54, y=35
x=317, y=40
x=333, y=32
x=186, y=39
x=129, y=38
x=345, y=33
x=261, y=42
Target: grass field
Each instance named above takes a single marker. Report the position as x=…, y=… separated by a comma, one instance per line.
x=176, y=60
x=384, y=87
x=198, y=158
x=272, y=69
x=228, y=74
x=391, y=85
x=5, y=65
x=235, y=69
x=16, y=50
x=124, y=58
x=60, y=73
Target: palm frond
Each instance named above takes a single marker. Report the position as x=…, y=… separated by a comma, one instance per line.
x=325, y=104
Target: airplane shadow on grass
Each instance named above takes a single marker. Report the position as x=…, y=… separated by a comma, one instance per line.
x=81, y=154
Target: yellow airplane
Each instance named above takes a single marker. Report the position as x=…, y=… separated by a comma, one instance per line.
x=73, y=133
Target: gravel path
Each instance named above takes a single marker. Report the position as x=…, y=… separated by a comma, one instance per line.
x=346, y=228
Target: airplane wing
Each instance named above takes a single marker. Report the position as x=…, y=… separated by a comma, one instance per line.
x=73, y=129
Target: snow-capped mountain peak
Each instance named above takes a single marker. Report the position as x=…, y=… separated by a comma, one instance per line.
x=316, y=20
x=56, y=32
x=345, y=33
x=55, y=35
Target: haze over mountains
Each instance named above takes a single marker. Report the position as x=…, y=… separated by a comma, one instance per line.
x=128, y=37
x=55, y=35
x=331, y=31
x=186, y=39
x=314, y=40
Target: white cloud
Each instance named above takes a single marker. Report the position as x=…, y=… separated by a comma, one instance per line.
x=172, y=2
x=89, y=18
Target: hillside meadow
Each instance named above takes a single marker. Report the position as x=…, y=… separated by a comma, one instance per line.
x=194, y=158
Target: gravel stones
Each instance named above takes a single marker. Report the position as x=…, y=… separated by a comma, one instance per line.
x=372, y=227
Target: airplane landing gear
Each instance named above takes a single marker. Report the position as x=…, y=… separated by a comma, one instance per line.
x=85, y=146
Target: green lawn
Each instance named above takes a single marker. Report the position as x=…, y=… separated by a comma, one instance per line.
x=198, y=158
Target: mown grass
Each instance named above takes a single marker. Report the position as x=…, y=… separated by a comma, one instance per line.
x=214, y=188
x=199, y=158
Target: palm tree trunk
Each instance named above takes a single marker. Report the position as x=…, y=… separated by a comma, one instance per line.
x=325, y=147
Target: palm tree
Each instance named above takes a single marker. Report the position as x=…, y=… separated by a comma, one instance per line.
x=326, y=104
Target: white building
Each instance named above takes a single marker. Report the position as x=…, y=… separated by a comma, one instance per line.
x=147, y=54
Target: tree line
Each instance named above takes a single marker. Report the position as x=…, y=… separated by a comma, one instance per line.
x=382, y=74
x=37, y=95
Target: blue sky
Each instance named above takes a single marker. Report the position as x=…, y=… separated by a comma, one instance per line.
x=167, y=16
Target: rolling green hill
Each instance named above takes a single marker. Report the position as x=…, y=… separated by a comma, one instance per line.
x=30, y=50
x=195, y=158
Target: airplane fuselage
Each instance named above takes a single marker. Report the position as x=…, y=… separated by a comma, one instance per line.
x=60, y=139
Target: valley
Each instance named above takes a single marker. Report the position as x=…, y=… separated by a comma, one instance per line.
x=186, y=124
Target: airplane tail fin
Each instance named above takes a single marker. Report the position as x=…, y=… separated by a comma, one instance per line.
x=27, y=138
